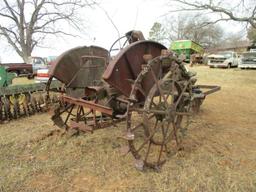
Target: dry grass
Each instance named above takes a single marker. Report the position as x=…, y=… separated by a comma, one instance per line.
x=22, y=80
x=219, y=150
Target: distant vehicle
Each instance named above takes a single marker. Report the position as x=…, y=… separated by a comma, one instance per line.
x=42, y=75
x=248, y=60
x=19, y=69
x=28, y=69
x=41, y=63
x=186, y=48
x=225, y=59
x=38, y=63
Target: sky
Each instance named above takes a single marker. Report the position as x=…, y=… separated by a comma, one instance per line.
x=126, y=15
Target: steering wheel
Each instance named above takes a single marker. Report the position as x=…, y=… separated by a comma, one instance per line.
x=121, y=42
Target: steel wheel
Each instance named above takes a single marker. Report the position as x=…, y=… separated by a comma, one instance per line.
x=153, y=130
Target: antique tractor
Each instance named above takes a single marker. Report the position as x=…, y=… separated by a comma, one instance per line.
x=144, y=85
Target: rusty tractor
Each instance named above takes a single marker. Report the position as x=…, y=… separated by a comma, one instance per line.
x=145, y=85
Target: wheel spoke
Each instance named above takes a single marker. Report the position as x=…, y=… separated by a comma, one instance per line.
x=171, y=133
x=139, y=87
x=175, y=134
x=162, y=145
x=148, y=149
x=140, y=124
x=148, y=138
x=158, y=86
x=180, y=96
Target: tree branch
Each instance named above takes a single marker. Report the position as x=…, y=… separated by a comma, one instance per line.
x=12, y=12
x=4, y=32
x=199, y=6
x=43, y=16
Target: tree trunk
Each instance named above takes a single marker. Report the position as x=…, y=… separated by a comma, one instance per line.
x=26, y=59
x=26, y=55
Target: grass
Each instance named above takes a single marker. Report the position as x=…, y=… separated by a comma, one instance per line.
x=22, y=80
x=219, y=149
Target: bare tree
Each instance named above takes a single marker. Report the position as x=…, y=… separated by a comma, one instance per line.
x=187, y=26
x=176, y=26
x=158, y=33
x=240, y=10
x=26, y=23
x=251, y=34
x=194, y=29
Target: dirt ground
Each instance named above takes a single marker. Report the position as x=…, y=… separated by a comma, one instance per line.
x=219, y=149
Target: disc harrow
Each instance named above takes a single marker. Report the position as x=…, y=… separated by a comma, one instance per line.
x=18, y=101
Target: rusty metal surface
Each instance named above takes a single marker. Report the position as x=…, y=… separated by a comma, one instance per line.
x=88, y=104
x=81, y=126
x=158, y=121
x=75, y=65
x=128, y=64
x=145, y=84
x=210, y=88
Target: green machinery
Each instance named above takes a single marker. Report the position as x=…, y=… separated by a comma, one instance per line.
x=22, y=99
x=187, y=48
x=5, y=78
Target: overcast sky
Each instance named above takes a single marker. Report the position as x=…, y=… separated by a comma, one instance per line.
x=126, y=14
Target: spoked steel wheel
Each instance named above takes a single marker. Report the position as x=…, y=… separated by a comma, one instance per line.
x=153, y=130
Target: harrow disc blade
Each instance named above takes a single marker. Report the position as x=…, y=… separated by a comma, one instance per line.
x=25, y=108
x=16, y=108
x=33, y=104
x=7, y=109
x=21, y=98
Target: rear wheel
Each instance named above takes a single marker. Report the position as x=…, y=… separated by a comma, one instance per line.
x=152, y=132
